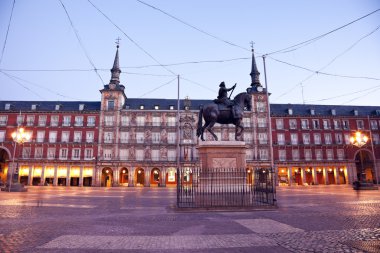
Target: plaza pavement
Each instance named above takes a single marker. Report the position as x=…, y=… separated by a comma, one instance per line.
x=308, y=219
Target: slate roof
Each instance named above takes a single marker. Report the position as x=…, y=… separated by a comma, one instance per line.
x=280, y=110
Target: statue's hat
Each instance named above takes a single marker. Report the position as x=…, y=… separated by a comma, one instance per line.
x=222, y=84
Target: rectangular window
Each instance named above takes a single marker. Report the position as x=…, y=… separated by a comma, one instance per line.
x=123, y=154
x=107, y=154
x=65, y=136
x=77, y=136
x=52, y=136
x=346, y=124
x=78, y=121
x=139, y=154
x=294, y=138
x=42, y=120
x=90, y=121
x=305, y=124
x=360, y=124
x=330, y=154
x=307, y=154
x=108, y=137
x=295, y=154
x=279, y=123
x=293, y=124
x=88, y=154
x=26, y=152
x=40, y=136
x=75, y=154
x=337, y=124
x=374, y=125
x=140, y=137
x=81, y=107
x=109, y=120
x=155, y=155
x=246, y=122
x=326, y=124
x=171, y=121
x=3, y=120
x=171, y=138
x=247, y=137
x=66, y=121
x=30, y=120
x=263, y=138
x=318, y=154
x=260, y=106
x=306, y=138
x=282, y=155
x=156, y=121
x=172, y=155
x=110, y=105
x=51, y=153
x=262, y=122
x=124, y=137
x=20, y=120
x=338, y=138
x=263, y=154
x=317, y=139
x=315, y=124
x=140, y=120
x=328, y=139
x=89, y=137
x=2, y=136
x=156, y=137
x=124, y=121
x=54, y=121
x=340, y=153
x=63, y=153
x=375, y=138
x=347, y=138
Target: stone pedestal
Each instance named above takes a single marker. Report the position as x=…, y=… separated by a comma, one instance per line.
x=222, y=154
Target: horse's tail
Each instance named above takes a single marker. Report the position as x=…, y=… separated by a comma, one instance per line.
x=199, y=129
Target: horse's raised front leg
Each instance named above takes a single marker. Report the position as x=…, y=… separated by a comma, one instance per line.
x=209, y=128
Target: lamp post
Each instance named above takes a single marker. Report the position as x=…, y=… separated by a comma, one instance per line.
x=19, y=137
x=359, y=140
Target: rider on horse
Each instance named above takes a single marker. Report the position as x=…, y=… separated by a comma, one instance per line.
x=223, y=99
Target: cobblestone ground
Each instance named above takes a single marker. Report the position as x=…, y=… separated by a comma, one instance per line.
x=309, y=219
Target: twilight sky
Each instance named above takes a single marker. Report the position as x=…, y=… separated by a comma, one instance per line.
x=52, y=48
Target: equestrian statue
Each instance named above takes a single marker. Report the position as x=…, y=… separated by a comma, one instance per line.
x=224, y=111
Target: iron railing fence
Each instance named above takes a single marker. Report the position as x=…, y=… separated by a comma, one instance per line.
x=225, y=187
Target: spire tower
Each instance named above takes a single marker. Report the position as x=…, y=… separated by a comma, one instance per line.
x=255, y=74
x=115, y=71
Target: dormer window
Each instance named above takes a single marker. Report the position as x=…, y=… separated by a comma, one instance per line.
x=81, y=107
x=290, y=111
x=7, y=106
x=141, y=107
x=312, y=111
x=110, y=104
x=171, y=107
x=356, y=112
x=57, y=107
x=333, y=112
x=34, y=107
x=156, y=107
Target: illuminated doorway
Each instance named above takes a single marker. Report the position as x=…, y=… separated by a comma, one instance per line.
x=140, y=177
x=155, y=177
x=124, y=177
x=107, y=177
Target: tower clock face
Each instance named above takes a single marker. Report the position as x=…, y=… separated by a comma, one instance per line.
x=259, y=88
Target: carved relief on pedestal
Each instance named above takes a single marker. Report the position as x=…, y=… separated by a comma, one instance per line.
x=224, y=162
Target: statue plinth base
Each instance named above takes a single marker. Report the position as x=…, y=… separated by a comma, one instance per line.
x=222, y=154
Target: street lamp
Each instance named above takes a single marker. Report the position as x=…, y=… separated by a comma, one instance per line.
x=359, y=139
x=19, y=137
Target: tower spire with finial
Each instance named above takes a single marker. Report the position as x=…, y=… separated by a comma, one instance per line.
x=115, y=71
x=255, y=74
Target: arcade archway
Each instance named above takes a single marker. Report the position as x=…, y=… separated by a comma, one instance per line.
x=124, y=177
x=4, y=163
x=155, y=176
x=364, y=166
x=140, y=177
x=107, y=177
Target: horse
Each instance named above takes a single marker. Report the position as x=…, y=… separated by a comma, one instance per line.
x=212, y=114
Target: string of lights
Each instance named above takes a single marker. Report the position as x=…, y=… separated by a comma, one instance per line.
x=6, y=34
x=80, y=43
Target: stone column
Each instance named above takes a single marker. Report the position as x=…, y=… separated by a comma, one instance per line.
x=30, y=177
x=115, y=176
x=326, y=175
x=131, y=174
x=81, y=176
x=55, y=181
x=163, y=178
x=147, y=177
x=43, y=175
x=303, y=176
x=290, y=177
x=68, y=176
x=314, y=174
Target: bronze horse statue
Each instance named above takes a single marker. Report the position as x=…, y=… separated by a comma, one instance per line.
x=212, y=114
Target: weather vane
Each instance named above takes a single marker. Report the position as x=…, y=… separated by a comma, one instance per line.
x=117, y=42
x=252, y=45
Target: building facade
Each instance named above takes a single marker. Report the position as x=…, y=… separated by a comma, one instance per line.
x=123, y=141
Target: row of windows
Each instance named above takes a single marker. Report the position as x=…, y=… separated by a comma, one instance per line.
x=42, y=120
x=324, y=124
x=308, y=154
x=34, y=107
x=317, y=138
x=63, y=153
